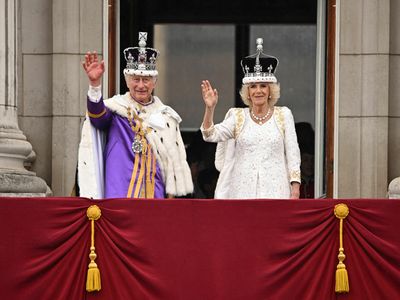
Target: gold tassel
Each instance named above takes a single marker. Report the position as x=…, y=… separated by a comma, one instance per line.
x=342, y=280
x=93, y=280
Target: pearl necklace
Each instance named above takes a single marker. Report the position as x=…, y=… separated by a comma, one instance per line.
x=260, y=120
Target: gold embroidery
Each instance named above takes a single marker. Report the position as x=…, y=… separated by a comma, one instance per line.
x=209, y=131
x=295, y=176
x=280, y=119
x=239, y=115
x=96, y=116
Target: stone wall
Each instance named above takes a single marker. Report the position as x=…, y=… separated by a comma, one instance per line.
x=364, y=102
x=55, y=36
x=394, y=91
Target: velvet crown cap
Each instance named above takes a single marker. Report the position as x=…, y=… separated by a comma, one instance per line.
x=259, y=67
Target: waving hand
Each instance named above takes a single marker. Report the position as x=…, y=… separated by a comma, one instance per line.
x=210, y=95
x=93, y=68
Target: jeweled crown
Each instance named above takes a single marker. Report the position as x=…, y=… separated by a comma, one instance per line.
x=259, y=67
x=141, y=60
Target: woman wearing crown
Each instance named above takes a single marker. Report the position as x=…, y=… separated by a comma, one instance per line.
x=131, y=145
x=257, y=154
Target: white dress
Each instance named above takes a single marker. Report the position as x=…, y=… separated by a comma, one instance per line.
x=265, y=159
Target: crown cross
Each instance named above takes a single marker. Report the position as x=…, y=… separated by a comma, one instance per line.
x=142, y=39
x=270, y=69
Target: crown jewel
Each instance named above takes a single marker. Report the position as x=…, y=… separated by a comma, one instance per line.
x=141, y=60
x=253, y=66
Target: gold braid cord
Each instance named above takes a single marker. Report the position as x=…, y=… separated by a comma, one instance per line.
x=147, y=160
x=93, y=281
x=342, y=280
x=146, y=171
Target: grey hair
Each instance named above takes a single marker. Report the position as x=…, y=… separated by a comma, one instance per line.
x=274, y=93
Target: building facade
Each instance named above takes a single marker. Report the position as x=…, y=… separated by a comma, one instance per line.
x=47, y=99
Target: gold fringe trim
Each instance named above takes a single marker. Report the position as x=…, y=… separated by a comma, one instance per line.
x=341, y=211
x=93, y=281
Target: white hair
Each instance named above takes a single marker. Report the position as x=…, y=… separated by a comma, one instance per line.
x=154, y=78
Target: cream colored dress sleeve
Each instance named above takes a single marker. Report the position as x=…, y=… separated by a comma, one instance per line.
x=292, y=150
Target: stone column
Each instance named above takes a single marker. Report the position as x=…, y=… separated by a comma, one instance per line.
x=15, y=150
x=77, y=28
x=363, y=99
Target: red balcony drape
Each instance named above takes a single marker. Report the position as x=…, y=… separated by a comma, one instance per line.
x=198, y=249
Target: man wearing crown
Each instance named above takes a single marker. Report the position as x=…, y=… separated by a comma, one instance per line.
x=131, y=145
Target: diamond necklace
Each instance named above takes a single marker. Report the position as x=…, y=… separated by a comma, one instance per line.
x=260, y=120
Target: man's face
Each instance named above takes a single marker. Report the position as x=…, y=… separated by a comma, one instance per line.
x=140, y=87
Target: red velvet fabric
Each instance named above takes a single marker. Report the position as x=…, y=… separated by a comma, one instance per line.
x=198, y=249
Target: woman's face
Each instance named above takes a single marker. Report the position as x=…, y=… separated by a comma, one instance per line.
x=259, y=93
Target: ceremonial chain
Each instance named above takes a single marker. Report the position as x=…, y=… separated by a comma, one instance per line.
x=260, y=120
x=139, y=144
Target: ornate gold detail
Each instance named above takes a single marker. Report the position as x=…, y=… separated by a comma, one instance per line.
x=341, y=211
x=239, y=116
x=93, y=212
x=280, y=119
x=295, y=176
x=93, y=280
x=139, y=144
x=209, y=131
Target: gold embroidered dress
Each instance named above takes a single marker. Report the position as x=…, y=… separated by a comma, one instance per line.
x=264, y=160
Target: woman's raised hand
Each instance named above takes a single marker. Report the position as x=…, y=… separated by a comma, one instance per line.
x=210, y=95
x=93, y=68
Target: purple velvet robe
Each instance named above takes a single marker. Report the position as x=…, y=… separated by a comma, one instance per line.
x=119, y=158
